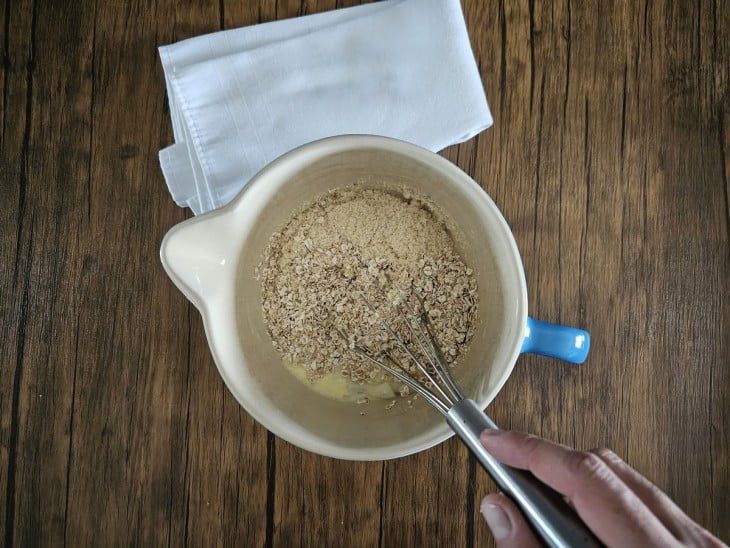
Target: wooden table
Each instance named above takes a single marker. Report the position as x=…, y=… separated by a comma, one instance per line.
x=609, y=157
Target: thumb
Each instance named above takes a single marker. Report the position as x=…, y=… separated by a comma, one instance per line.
x=507, y=523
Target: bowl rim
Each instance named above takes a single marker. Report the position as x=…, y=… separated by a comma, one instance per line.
x=317, y=150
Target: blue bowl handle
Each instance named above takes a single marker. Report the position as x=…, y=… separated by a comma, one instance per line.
x=556, y=341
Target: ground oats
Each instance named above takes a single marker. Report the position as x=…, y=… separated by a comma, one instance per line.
x=390, y=247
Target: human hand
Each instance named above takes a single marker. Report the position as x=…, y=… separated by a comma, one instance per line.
x=618, y=504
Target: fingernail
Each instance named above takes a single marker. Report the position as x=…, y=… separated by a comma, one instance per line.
x=497, y=520
x=491, y=433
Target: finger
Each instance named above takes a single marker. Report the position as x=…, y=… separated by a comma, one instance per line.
x=659, y=503
x=507, y=523
x=609, y=508
x=664, y=508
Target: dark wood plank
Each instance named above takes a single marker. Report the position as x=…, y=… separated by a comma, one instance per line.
x=15, y=241
x=720, y=381
x=48, y=205
x=320, y=501
x=159, y=410
x=425, y=498
x=121, y=464
x=688, y=327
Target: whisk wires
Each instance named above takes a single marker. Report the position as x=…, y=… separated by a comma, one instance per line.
x=435, y=383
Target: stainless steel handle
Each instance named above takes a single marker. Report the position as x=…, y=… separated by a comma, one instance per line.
x=545, y=509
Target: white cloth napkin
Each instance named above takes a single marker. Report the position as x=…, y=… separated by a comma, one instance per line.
x=241, y=98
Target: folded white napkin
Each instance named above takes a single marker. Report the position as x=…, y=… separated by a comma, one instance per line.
x=241, y=98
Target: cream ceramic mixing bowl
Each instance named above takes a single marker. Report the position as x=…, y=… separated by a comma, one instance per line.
x=212, y=260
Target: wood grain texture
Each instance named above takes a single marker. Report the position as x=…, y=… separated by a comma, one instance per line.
x=609, y=156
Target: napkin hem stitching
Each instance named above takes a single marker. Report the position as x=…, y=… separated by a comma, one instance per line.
x=194, y=131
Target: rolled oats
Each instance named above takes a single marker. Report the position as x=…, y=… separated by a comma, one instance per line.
x=391, y=248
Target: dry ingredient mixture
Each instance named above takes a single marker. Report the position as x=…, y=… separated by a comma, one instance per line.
x=389, y=247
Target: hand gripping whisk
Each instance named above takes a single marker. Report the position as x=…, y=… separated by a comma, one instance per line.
x=550, y=515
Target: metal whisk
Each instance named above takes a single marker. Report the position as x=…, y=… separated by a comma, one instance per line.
x=546, y=510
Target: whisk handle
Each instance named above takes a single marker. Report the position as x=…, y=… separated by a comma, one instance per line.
x=546, y=510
